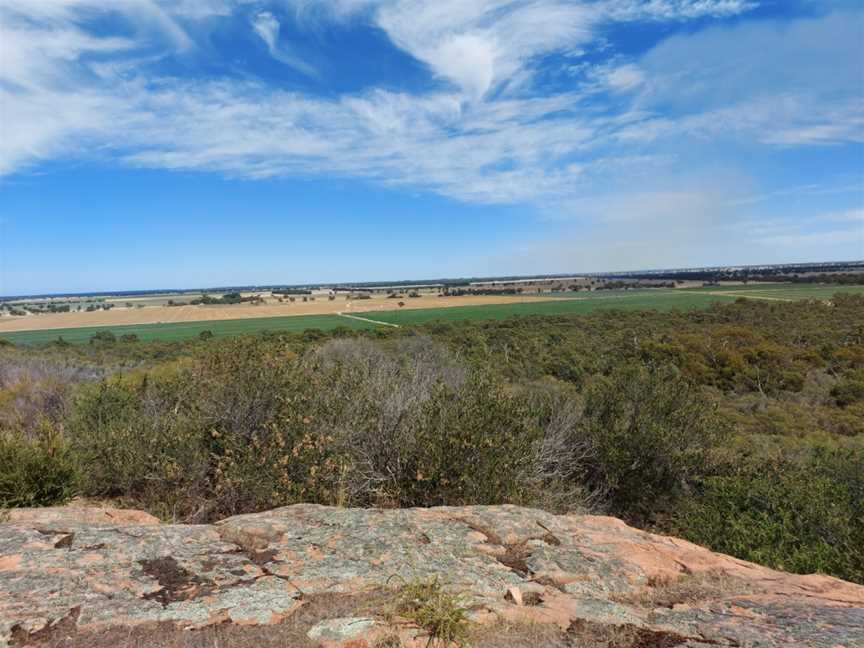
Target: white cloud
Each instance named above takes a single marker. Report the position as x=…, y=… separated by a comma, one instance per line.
x=148, y=17
x=847, y=216
x=479, y=44
x=853, y=238
x=795, y=82
x=466, y=139
x=45, y=102
x=467, y=59
x=675, y=9
x=625, y=77
x=267, y=26
x=198, y=9
x=802, y=191
x=830, y=238
x=817, y=232
x=45, y=125
x=473, y=153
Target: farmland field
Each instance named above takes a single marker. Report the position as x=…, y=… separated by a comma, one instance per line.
x=649, y=299
x=184, y=330
x=317, y=305
x=783, y=291
x=637, y=300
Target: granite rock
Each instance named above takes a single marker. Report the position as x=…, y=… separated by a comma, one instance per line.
x=100, y=568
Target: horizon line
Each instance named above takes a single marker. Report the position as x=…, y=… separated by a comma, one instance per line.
x=443, y=280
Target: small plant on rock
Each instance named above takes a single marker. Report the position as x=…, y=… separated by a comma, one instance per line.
x=440, y=613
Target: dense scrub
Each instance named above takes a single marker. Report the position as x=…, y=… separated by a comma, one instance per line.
x=740, y=427
x=249, y=425
x=800, y=515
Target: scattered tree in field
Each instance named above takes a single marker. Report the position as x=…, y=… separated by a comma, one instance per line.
x=103, y=337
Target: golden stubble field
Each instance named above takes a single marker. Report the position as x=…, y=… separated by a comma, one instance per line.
x=321, y=306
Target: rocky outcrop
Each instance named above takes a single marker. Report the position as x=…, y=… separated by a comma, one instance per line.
x=86, y=570
x=59, y=516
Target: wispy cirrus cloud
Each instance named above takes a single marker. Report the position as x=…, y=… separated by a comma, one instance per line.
x=479, y=44
x=675, y=9
x=485, y=130
x=267, y=26
x=844, y=229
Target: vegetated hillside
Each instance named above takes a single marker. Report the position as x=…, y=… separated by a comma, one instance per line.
x=740, y=427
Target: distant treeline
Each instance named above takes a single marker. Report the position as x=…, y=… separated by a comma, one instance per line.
x=775, y=273
x=229, y=298
x=617, y=284
x=625, y=285
x=841, y=279
x=42, y=309
x=288, y=293
x=447, y=291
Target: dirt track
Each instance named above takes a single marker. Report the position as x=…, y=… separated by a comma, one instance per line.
x=165, y=314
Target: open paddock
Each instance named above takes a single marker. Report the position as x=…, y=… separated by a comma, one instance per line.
x=189, y=321
x=321, y=305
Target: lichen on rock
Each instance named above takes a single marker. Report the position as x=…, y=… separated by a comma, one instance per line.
x=87, y=572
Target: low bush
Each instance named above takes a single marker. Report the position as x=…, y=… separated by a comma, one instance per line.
x=396, y=419
x=36, y=392
x=103, y=337
x=35, y=472
x=248, y=426
x=850, y=390
x=797, y=515
x=179, y=440
x=442, y=615
x=652, y=433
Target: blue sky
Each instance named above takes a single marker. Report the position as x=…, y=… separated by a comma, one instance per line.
x=156, y=143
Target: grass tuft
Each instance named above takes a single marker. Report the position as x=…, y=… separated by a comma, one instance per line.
x=440, y=613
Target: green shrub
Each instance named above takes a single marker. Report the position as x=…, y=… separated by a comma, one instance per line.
x=441, y=614
x=188, y=440
x=246, y=427
x=801, y=516
x=652, y=433
x=131, y=447
x=850, y=390
x=472, y=445
x=412, y=427
x=103, y=337
x=37, y=472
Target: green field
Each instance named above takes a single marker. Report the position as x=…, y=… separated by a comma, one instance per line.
x=657, y=299
x=641, y=300
x=185, y=330
x=785, y=291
